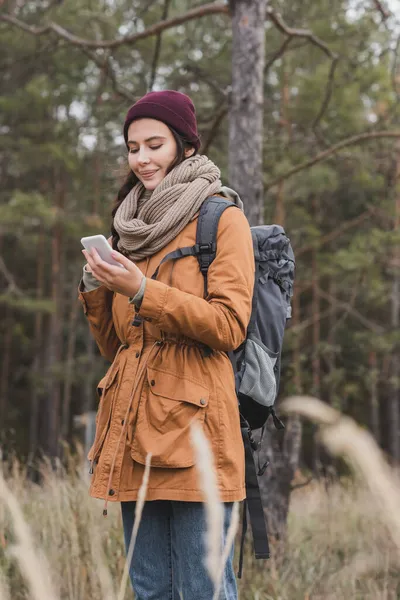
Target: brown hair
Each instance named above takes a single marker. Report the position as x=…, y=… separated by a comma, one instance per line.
x=131, y=179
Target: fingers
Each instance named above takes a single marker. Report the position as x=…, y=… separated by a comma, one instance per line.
x=99, y=268
x=125, y=262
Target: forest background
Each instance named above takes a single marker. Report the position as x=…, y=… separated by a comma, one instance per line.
x=330, y=174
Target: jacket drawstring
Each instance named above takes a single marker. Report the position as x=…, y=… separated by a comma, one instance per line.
x=123, y=430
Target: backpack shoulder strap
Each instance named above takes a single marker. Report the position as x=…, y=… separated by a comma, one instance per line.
x=205, y=248
x=206, y=235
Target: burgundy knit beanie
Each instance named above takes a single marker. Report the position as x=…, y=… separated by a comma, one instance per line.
x=172, y=108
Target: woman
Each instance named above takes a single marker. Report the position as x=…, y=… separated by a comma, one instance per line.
x=154, y=331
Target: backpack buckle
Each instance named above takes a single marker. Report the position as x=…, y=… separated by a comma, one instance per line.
x=205, y=248
x=205, y=253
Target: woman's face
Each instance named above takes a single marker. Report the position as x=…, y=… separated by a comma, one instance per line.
x=152, y=150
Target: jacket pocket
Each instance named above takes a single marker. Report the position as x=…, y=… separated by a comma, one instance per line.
x=106, y=389
x=169, y=404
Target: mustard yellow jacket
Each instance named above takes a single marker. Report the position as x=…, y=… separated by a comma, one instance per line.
x=161, y=380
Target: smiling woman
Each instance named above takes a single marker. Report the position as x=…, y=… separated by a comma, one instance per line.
x=155, y=325
x=151, y=157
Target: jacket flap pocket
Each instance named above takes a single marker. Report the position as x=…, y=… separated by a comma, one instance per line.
x=108, y=379
x=175, y=387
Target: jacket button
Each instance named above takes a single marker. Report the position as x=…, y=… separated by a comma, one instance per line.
x=203, y=401
x=111, y=492
x=152, y=382
x=123, y=421
x=137, y=354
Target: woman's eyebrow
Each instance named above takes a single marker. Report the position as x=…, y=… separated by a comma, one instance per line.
x=150, y=139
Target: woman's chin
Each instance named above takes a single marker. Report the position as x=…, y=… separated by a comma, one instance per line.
x=151, y=184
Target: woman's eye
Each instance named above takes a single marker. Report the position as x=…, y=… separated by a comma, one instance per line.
x=155, y=147
x=132, y=150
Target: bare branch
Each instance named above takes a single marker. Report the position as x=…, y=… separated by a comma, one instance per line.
x=106, y=66
x=352, y=311
x=311, y=320
x=351, y=141
x=332, y=235
x=219, y=117
x=307, y=34
x=382, y=9
x=204, y=75
x=328, y=93
x=157, y=48
x=280, y=52
x=202, y=11
x=302, y=33
x=12, y=286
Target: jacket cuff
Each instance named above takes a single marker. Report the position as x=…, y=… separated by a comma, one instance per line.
x=154, y=299
x=97, y=298
x=138, y=297
x=88, y=282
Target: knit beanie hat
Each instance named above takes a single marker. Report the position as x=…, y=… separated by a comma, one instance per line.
x=170, y=107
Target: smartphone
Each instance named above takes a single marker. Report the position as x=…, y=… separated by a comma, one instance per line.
x=102, y=246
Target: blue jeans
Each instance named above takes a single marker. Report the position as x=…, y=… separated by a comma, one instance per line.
x=168, y=559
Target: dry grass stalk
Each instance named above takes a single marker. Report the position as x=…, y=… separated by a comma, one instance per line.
x=33, y=565
x=342, y=436
x=102, y=571
x=230, y=538
x=213, y=506
x=138, y=515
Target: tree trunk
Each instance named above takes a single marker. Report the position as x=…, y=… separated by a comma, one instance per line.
x=394, y=414
x=69, y=364
x=37, y=366
x=8, y=321
x=283, y=453
x=246, y=177
x=246, y=111
x=316, y=334
x=374, y=414
x=54, y=344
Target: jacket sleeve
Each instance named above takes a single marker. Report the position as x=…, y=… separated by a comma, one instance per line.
x=97, y=306
x=219, y=321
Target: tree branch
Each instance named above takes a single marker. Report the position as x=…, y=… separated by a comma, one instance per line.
x=290, y=32
x=280, y=52
x=302, y=33
x=106, y=67
x=12, y=286
x=352, y=311
x=219, y=117
x=201, y=11
x=351, y=141
x=385, y=13
x=329, y=237
x=328, y=92
x=157, y=48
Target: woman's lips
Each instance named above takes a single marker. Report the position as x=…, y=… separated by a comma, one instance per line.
x=148, y=175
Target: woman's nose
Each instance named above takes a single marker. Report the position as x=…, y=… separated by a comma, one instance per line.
x=143, y=158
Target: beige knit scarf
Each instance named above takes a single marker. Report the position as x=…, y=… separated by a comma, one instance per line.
x=146, y=227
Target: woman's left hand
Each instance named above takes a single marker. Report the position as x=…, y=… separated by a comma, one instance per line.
x=124, y=281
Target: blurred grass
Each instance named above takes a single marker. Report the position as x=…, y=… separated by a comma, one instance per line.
x=338, y=546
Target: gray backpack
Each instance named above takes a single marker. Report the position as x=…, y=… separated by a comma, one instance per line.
x=256, y=363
